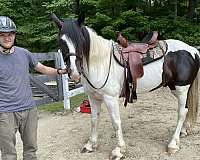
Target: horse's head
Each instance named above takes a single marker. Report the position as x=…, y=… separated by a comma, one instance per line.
x=73, y=40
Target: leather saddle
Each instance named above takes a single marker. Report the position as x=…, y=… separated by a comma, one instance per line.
x=133, y=54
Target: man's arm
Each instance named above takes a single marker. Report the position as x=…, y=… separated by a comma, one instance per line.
x=48, y=70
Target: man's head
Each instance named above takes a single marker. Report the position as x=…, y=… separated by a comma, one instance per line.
x=7, y=33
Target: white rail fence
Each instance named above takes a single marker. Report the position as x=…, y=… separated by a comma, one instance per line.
x=65, y=81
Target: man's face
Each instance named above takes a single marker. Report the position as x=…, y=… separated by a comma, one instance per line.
x=7, y=39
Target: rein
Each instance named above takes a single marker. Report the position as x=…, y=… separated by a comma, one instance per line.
x=84, y=75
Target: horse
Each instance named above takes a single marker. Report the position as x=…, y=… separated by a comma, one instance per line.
x=90, y=57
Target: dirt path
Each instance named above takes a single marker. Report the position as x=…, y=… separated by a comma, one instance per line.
x=147, y=125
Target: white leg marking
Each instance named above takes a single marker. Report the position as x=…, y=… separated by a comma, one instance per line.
x=112, y=105
x=91, y=145
x=181, y=94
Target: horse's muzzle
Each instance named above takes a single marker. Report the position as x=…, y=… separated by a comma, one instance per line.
x=75, y=77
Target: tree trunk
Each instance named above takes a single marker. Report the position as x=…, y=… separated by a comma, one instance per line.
x=191, y=9
x=149, y=3
x=175, y=9
x=77, y=7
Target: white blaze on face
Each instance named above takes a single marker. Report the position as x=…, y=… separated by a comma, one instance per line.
x=75, y=74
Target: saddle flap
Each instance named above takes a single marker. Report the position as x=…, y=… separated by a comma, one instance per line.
x=136, y=65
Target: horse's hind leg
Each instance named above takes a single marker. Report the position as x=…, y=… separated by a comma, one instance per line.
x=181, y=93
x=112, y=104
x=184, y=127
x=91, y=144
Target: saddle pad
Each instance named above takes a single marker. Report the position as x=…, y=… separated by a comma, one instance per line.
x=155, y=53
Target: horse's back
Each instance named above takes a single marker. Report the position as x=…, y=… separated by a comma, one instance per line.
x=176, y=45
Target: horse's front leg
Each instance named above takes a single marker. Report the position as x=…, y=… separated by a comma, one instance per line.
x=91, y=144
x=181, y=94
x=112, y=104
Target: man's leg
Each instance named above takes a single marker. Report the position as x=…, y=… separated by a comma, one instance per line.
x=28, y=130
x=8, y=129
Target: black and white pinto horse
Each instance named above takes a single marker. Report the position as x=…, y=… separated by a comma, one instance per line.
x=90, y=56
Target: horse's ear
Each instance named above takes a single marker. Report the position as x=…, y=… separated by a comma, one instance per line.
x=81, y=19
x=56, y=20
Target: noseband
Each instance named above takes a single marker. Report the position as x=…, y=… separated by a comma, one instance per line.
x=78, y=59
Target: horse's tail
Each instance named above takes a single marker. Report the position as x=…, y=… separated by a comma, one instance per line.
x=193, y=99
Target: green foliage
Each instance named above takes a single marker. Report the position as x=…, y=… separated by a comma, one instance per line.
x=119, y=24
x=99, y=21
x=108, y=32
x=88, y=7
x=36, y=32
x=110, y=7
x=129, y=17
x=130, y=34
x=177, y=29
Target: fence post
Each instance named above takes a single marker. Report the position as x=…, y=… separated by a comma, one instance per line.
x=59, y=77
x=65, y=82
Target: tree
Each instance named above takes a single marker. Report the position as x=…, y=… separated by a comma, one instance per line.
x=191, y=9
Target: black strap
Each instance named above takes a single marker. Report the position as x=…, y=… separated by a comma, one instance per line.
x=84, y=75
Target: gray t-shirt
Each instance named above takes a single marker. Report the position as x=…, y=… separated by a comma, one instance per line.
x=15, y=90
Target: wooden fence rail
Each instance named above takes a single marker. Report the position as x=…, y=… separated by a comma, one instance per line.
x=42, y=92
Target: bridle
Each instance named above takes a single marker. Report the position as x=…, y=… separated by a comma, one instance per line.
x=79, y=60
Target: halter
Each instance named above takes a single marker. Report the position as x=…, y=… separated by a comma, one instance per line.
x=69, y=71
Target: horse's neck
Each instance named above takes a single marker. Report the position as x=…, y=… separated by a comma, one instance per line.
x=99, y=59
x=100, y=49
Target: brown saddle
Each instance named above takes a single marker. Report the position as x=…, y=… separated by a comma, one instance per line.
x=133, y=54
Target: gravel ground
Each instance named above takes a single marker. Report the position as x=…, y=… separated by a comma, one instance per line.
x=147, y=125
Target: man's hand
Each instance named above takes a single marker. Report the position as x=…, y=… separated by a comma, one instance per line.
x=63, y=71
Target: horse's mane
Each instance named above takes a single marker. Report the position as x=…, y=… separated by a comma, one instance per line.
x=100, y=54
x=99, y=46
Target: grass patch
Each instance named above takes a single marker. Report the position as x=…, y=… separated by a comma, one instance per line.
x=59, y=106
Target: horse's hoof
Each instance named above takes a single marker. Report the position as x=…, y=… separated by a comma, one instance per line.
x=172, y=151
x=183, y=134
x=116, y=154
x=113, y=135
x=85, y=150
x=116, y=158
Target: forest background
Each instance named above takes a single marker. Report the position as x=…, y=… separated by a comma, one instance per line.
x=177, y=19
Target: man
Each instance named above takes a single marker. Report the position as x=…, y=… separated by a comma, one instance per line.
x=17, y=108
